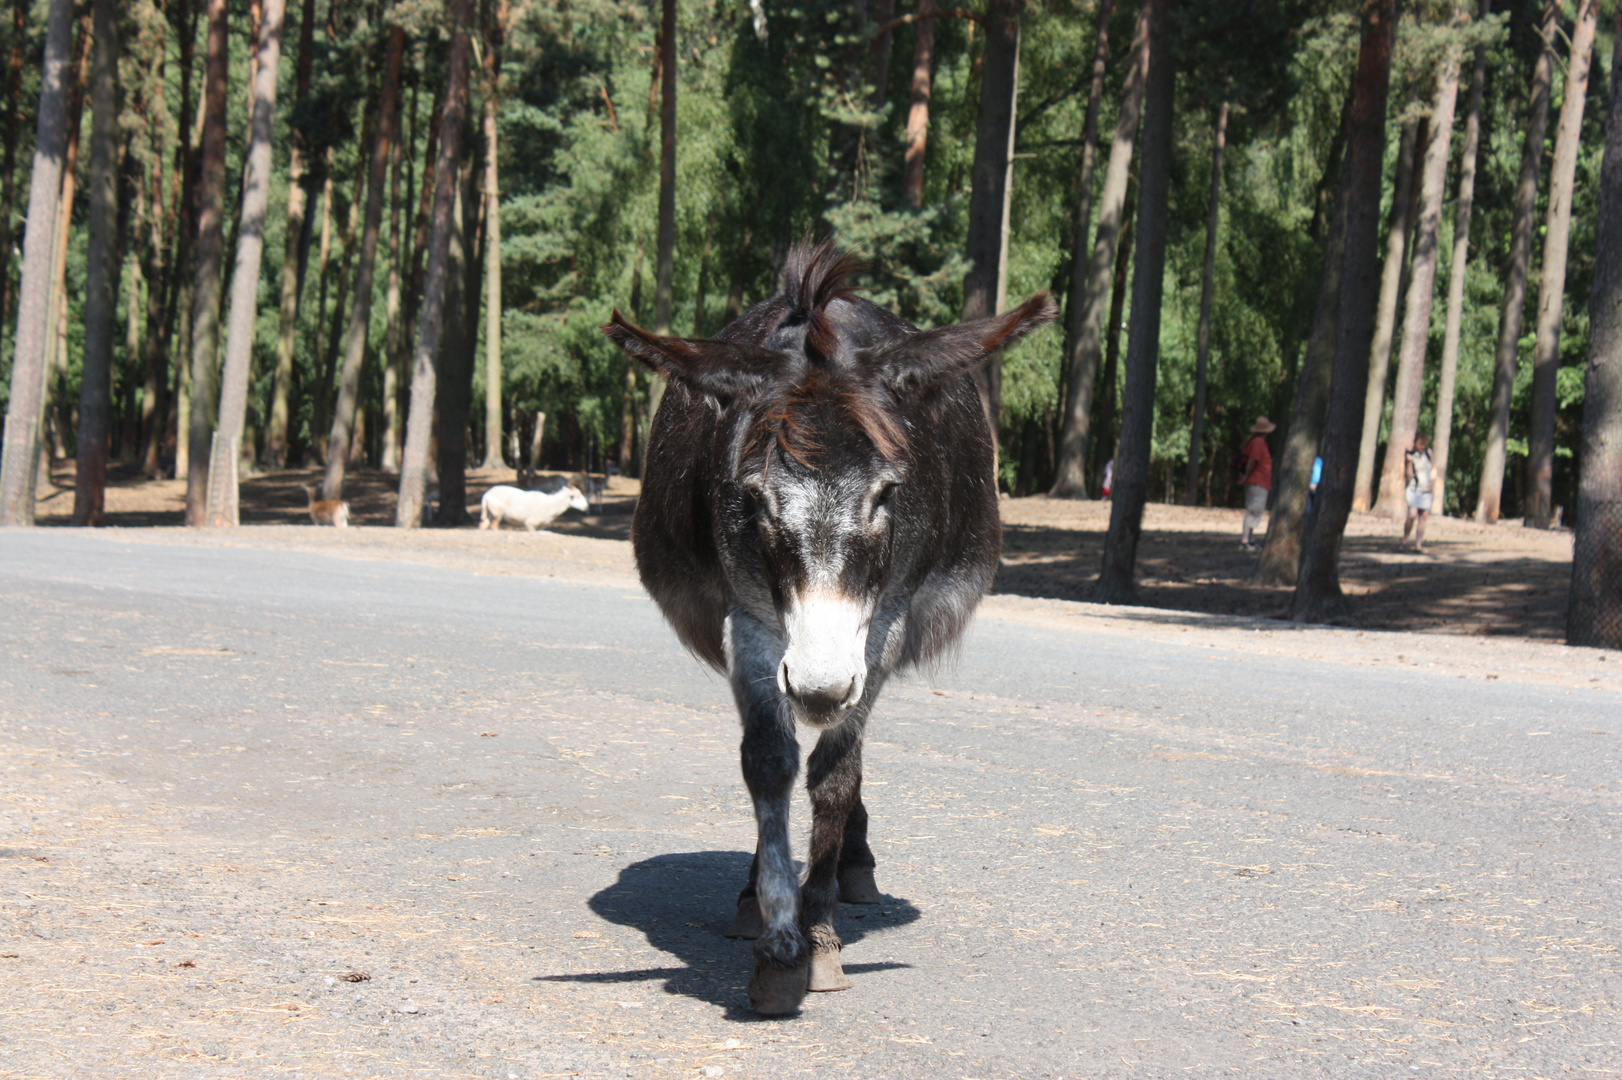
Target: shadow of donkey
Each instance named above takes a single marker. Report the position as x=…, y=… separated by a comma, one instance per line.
x=682, y=903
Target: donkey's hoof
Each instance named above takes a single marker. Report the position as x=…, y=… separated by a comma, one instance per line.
x=776, y=991
x=856, y=886
x=827, y=973
x=747, y=923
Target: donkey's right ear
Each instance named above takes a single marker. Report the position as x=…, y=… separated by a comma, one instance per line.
x=720, y=369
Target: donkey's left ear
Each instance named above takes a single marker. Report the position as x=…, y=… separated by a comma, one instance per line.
x=933, y=356
x=720, y=369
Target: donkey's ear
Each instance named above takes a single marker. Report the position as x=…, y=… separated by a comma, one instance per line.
x=720, y=369
x=933, y=356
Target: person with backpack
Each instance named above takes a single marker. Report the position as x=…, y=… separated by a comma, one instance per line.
x=1420, y=472
x=1256, y=474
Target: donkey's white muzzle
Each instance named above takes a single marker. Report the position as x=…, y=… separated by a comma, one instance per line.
x=824, y=668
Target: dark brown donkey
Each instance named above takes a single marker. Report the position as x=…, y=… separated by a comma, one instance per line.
x=819, y=510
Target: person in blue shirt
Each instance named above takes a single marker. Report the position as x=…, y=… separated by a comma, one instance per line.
x=1312, y=485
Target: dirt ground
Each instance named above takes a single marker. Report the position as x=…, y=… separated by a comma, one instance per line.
x=1476, y=580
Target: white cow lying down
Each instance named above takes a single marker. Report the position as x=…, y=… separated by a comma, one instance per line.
x=532, y=509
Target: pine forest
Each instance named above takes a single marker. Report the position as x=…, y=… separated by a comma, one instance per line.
x=242, y=235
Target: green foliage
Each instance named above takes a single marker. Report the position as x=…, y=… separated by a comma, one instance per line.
x=783, y=133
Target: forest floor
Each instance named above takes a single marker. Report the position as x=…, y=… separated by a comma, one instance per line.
x=1475, y=580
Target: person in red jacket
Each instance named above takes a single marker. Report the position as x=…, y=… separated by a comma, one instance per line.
x=1256, y=474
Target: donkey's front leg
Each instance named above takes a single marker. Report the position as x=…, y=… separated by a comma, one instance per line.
x=771, y=758
x=834, y=775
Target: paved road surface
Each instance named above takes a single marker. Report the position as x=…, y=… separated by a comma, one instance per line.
x=229, y=778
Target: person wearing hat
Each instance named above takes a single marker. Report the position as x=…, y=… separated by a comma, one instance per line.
x=1256, y=474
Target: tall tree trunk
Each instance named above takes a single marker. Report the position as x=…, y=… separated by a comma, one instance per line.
x=183, y=276
x=205, y=321
x=55, y=411
x=8, y=151
x=292, y=277
x=328, y=371
x=1292, y=474
x=1084, y=320
x=360, y=312
x=985, y=286
x=1489, y=497
x=1552, y=280
x=1317, y=589
x=629, y=424
x=101, y=274
x=1106, y=413
x=665, y=245
x=495, y=33
x=394, y=344
x=1399, y=231
x=1076, y=296
x=1202, y=351
x=18, y=465
x=1595, y=614
x=1117, y=578
x=419, y=236
x=155, y=345
x=665, y=257
x=1457, y=266
x=1416, y=316
x=430, y=320
x=226, y=450
x=923, y=58
x=456, y=356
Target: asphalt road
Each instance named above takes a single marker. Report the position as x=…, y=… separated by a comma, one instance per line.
x=230, y=778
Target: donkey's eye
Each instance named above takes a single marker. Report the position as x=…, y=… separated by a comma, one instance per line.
x=886, y=493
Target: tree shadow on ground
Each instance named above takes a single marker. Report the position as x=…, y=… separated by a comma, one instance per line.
x=682, y=904
x=1455, y=588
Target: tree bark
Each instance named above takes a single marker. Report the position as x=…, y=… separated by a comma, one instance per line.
x=1077, y=293
x=456, y=358
x=394, y=344
x=1595, y=614
x=1489, y=496
x=1416, y=321
x=1317, y=590
x=360, y=312
x=8, y=133
x=19, y=463
x=923, y=58
x=226, y=450
x=985, y=286
x=1117, y=579
x=321, y=425
x=665, y=257
x=54, y=405
x=184, y=276
x=1457, y=266
x=1399, y=231
x=1280, y=559
x=1552, y=279
x=101, y=274
x=1106, y=414
x=495, y=34
x=430, y=320
x=205, y=321
x=292, y=277
x=1202, y=348
x=1084, y=320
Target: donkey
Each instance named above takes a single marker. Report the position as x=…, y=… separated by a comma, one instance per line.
x=818, y=511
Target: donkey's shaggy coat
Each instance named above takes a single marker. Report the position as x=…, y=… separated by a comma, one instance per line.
x=819, y=510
